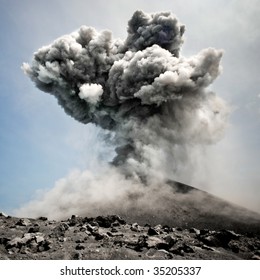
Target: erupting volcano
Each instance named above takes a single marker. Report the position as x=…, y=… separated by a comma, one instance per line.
x=159, y=112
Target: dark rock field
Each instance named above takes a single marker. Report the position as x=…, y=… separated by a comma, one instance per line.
x=111, y=237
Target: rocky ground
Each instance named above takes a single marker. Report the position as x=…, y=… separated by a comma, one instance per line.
x=111, y=237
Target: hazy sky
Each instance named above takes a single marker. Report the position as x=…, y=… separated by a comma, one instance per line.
x=39, y=143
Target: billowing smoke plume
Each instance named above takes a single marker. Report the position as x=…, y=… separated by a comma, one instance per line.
x=154, y=101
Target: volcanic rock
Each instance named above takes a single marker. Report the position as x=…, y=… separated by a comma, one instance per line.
x=152, y=231
x=80, y=247
x=218, y=239
x=34, y=229
x=170, y=240
x=3, y=215
x=135, y=227
x=23, y=222
x=43, y=218
x=107, y=221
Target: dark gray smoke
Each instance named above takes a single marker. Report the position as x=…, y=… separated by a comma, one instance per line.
x=142, y=82
x=154, y=101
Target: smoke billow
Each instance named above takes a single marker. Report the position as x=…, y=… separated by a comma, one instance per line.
x=155, y=102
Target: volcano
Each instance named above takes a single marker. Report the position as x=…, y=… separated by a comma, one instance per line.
x=196, y=208
x=180, y=229
x=158, y=111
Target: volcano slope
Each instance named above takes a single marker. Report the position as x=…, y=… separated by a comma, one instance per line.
x=192, y=207
x=196, y=225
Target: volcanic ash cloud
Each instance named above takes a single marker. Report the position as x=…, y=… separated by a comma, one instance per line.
x=154, y=101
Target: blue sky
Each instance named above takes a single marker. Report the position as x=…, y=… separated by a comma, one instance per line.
x=39, y=143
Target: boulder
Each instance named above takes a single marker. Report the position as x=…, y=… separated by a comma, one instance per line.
x=43, y=218
x=170, y=240
x=158, y=254
x=114, y=229
x=118, y=219
x=27, y=237
x=163, y=246
x=154, y=241
x=74, y=220
x=2, y=214
x=218, y=239
x=194, y=230
x=34, y=229
x=80, y=247
x=107, y=221
x=92, y=229
x=167, y=229
x=135, y=227
x=4, y=240
x=141, y=243
x=103, y=221
x=152, y=231
x=39, y=238
x=23, y=222
x=181, y=249
x=15, y=242
x=45, y=245
x=100, y=236
x=60, y=229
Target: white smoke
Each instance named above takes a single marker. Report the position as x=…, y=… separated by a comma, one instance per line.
x=91, y=93
x=153, y=101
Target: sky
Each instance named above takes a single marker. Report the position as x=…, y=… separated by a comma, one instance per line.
x=39, y=144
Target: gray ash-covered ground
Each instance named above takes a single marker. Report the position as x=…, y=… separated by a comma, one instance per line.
x=111, y=237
